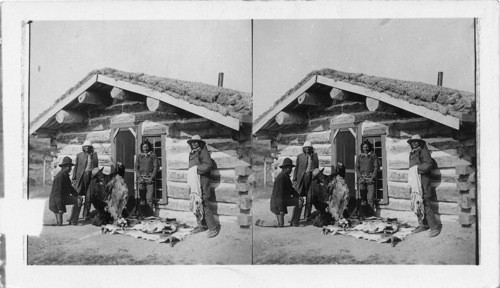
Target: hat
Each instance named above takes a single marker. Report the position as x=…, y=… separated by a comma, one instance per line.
x=87, y=143
x=196, y=138
x=108, y=170
x=307, y=144
x=66, y=161
x=96, y=171
x=316, y=172
x=414, y=138
x=287, y=162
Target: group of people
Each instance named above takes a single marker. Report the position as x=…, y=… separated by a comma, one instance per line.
x=83, y=188
x=287, y=193
x=80, y=189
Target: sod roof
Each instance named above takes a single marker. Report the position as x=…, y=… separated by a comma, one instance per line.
x=446, y=101
x=222, y=100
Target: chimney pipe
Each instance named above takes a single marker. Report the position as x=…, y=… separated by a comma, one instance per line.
x=440, y=79
x=221, y=79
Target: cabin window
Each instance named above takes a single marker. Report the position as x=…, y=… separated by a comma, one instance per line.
x=378, y=142
x=156, y=142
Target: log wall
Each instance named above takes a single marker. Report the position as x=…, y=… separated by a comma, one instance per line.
x=453, y=188
x=178, y=126
x=224, y=180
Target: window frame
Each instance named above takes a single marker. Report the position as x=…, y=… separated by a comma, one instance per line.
x=382, y=133
x=162, y=135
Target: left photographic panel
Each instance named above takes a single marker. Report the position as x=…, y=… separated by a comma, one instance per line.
x=139, y=142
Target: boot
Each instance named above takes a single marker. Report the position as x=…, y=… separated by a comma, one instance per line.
x=86, y=212
x=434, y=232
x=59, y=218
x=212, y=233
x=421, y=225
x=281, y=219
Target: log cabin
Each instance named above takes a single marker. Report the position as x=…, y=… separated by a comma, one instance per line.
x=337, y=111
x=118, y=110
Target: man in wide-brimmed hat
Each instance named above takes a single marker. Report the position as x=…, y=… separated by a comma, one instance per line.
x=419, y=178
x=284, y=195
x=307, y=161
x=200, y=165
x=63, y=194
x=82, y=174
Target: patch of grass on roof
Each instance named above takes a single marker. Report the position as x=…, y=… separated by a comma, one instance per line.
x=222, y=100
x=444, y=100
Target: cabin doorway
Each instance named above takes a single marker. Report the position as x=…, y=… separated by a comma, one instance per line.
x=345, y=151
x=125, y=146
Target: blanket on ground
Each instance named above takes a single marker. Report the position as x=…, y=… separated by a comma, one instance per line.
x=374, y=229
x=156, y=229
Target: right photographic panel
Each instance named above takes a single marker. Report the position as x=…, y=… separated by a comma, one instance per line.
x=365, y=141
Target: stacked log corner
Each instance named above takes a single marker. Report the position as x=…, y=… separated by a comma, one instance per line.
x=466, y=185
x=244, y=190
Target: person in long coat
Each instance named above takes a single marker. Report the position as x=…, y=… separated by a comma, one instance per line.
x=307, y=161
x=200, y=158
x=284, y=195
x=82, y=174
x=63, y=194
x=419, y=178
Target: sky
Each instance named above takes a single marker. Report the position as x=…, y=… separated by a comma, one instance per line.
x=285, y=51
x=64, y=52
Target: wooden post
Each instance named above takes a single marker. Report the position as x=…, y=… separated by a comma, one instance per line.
x=160, y=106
x=313, y=99
x=466, y=186
x=284, y=118
x=117, y=93
x=68, y=116
x=244, y=190
x=376, y=105
x=91, y=98
x=43, y=177
x=440, y=79
x=265, y=173
x=120, y=94
x=337, y=94
x=221, y=79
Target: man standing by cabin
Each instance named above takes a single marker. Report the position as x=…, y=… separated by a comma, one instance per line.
x=367, y=167
x=284, y=195
x=200, y=165
x=82, y=174
x=307, y=161
x=419, y=178
x=146, y=166
x=63, y=194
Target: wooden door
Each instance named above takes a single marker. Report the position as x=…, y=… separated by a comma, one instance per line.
x=125, y=153
x=345, y=146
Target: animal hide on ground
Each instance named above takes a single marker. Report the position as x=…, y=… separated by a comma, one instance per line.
x=155, y=229
x=374, y=229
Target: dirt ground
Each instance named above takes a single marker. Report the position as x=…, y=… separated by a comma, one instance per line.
x=85, y=245
x=307, y=245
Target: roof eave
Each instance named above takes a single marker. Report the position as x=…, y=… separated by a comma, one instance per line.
x=228, y=121
x=448, y=120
